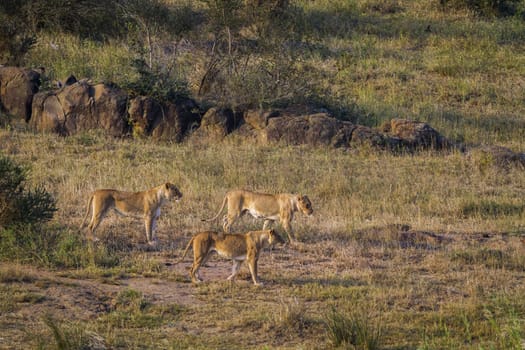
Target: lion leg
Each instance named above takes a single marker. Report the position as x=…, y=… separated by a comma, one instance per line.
x=194, y=272
x=228, y=221
x=149, y=223
x=235, y=270
x=252, y=264
x=199, y=260
x=154, y=225
x=288, y=228
x=96, y=219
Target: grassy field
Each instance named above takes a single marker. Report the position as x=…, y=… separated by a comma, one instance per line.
x=409, y=251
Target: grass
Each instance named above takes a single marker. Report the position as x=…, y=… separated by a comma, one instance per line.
x=406, y=251
x=361, y=248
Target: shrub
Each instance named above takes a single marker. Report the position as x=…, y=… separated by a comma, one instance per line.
x=155, y=83
x=19, y=205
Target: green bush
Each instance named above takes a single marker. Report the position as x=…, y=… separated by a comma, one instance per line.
x=155, y=83
x=19, y=205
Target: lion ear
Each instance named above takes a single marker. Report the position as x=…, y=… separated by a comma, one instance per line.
x=168, y=185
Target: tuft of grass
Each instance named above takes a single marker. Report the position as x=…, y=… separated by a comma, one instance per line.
x=291, y=316
x=13, y=273
x=355, y=329
x=132, y=310
x=71, y=336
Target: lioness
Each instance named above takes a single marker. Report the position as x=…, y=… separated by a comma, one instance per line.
x=270, y=207
x=145, y=203
x=238, y=247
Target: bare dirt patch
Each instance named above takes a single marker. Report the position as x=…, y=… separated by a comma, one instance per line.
x=402, y=272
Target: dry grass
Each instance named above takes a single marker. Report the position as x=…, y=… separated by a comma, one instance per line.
x=419, y=251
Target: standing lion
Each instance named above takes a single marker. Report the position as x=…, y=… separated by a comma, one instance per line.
x=270, y=207
x=146, y=204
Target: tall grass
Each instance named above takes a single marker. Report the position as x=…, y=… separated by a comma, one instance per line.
x=449, y=193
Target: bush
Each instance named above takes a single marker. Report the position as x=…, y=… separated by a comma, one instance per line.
x=18, y=205
x=155, y=83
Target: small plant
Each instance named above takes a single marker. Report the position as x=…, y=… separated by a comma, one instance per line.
x=19, y=205
x=355, y=329
x=291, y=316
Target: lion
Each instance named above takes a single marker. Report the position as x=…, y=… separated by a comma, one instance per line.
x=238, y=247
x=145, y=203
x=270, y=207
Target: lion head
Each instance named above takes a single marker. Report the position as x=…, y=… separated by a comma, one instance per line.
x=304, y=204
x=171, y=191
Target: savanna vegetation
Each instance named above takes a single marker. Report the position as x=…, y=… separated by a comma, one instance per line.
x=404, y=251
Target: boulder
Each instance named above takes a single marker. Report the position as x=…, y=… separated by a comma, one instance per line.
x=416, y=135
x=81, y=106
x=164, y=122
x=143, y=114
x=216, y=124
x=258, y=119
x=179, y=119
x=313, y=129
x=363, y=136
x=17, y=88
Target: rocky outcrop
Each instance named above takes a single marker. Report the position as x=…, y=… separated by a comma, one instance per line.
x=81, y=106
x=319, y=128
x=17, y=88
x=415, y=135
x=166, y=122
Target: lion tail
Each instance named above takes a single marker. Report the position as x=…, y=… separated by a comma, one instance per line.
x=225, y=200
x=89, y=206
x=186, y=250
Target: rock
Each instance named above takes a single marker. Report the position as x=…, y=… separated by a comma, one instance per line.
x=365, y=136
x=216, y=124
x=176, y=120
x=143, y=114
x=81, y=106
x=17, y=89
x=166, y=122
x=416, y=135
x=313, y=129
x=258, y=119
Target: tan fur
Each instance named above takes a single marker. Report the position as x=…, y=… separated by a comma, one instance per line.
x=146, y=204
x=238, y=247
x=270, y=207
